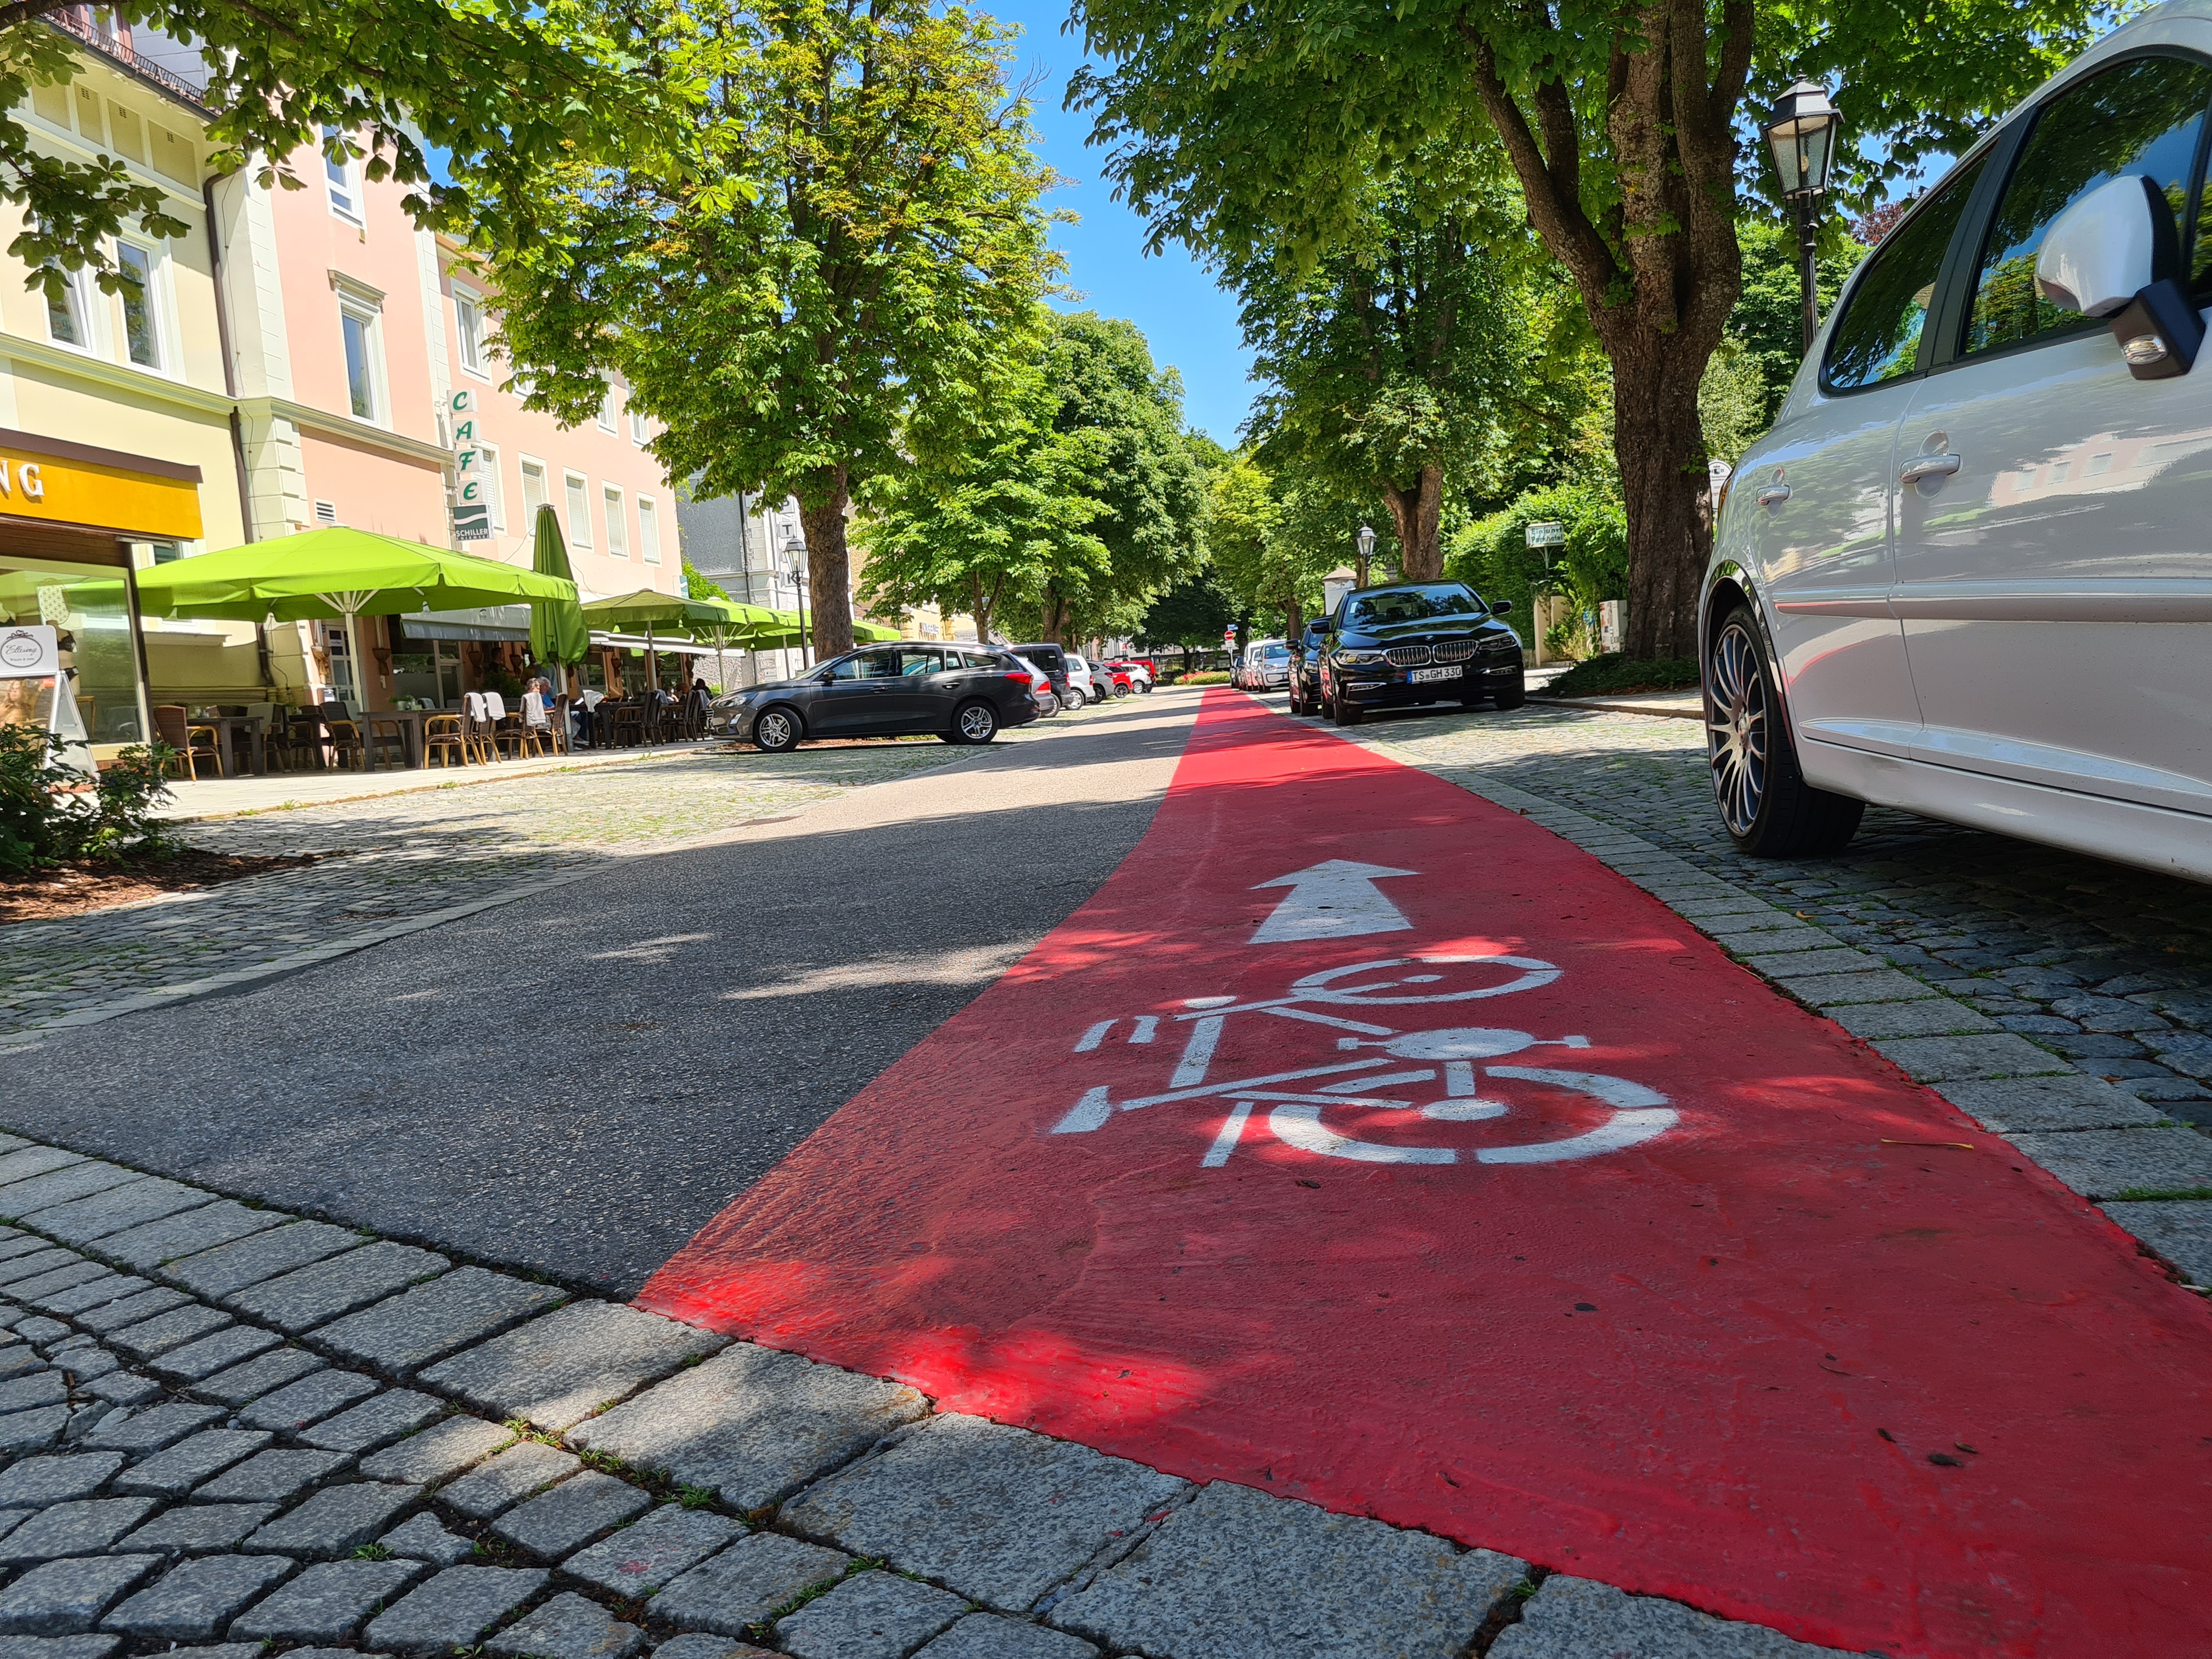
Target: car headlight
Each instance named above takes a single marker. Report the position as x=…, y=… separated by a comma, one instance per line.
x=1356, y=659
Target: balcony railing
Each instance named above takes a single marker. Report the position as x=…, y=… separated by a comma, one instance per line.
x=76, y=23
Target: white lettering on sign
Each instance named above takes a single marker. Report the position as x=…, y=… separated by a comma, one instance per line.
x=34, y=482
x=1337, y=899
x=1444, y=1067
x=471, y=501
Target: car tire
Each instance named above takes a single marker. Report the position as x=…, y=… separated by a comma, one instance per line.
x=1347, y=714
x=1075, y=699
x=973, y=723
x=1766, y=804
x=777, y=730
x=1120, y=690
x=1511, y=694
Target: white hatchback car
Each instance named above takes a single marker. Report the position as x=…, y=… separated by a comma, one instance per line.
x=1080, y=679
x=1969, y=572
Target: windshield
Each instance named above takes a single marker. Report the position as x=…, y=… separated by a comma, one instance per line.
x=1413, y=605
x=1273, y=651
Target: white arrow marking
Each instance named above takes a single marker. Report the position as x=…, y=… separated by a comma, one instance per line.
x=1337, y=899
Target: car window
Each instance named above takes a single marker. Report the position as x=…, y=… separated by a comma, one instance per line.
x=1878, y=336
x=1272, y=652
x=1407, y=605
x=866, y=666
x=914, y=663
x=2141, y=119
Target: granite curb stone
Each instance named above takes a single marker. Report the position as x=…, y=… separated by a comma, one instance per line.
x=187, y=1233
x=1947, y=1058
x=198, y=1361
x=159, y=1335
x=404, y=1333
x=1579, y=1618
x=130, y=1311
x=2178, y=1229
x=83, y=1220
x=321, y=1291
x=556, y=1370
x=228, y=1268
x=2078, y=1102
x=2101, y=1163
x=23, y=1199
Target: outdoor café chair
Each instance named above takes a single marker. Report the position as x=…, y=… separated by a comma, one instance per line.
x=192, y=744
x=442, y=735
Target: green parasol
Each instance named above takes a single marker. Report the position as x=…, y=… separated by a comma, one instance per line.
x=558, y=632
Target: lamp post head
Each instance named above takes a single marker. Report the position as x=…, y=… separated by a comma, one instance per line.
x=1801, y=130
x=1366, y=541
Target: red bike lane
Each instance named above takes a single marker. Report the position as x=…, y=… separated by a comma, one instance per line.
x=1458, y=1182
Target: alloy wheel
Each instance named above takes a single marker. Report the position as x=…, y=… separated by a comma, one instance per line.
x=775, y=730
x=977, y=723
x=1735, y=727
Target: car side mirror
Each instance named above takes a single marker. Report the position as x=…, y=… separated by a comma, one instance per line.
x=2116, y=254
x=1501, y=607
x=824, y=677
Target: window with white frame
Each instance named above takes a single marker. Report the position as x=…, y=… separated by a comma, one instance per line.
x=492, y=496
x=533, y=492
x=607, y=409
x=638, y=435
x=580, y=510
x=357, y=326
x=66, y=317
x=340, y=176
x=141, y=304
x=468, y=317
x=617, y=528
x=648, y=530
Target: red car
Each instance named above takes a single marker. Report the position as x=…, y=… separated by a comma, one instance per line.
x=1118, y=672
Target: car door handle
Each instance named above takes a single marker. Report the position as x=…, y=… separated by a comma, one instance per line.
x=1927, y=466
x=1769, y=495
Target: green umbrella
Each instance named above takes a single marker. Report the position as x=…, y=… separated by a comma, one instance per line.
x=558, y=632
x=322, y=574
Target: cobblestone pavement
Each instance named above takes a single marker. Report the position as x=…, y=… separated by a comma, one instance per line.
x=408, y=861
x=229, y=1432
x=2059, y=1000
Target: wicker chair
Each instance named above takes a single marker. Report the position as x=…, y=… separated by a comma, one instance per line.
x=172, y=725
x=443, y=737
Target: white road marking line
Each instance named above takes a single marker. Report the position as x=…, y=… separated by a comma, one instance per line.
x=1198, y=1053
x=1092, y=1038
x=1146, y=1025
x=1226, y=1142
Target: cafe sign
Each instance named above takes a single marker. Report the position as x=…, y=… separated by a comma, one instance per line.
x=472, y=481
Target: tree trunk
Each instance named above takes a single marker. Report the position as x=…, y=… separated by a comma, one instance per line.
x=1418, y=516
x=828, y=566
x=1664, y=485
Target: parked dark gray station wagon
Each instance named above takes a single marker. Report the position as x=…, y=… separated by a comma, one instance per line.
x=959, y=693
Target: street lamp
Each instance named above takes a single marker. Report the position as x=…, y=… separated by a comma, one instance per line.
x=1365, y=542
x=795, y=550
x=1801, y=130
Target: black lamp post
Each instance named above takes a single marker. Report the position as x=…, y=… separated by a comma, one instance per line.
x=1801, y=130
x=1365, y=542
x=795, y=550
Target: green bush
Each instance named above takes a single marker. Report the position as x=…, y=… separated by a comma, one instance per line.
x=1493, y=555
x=42, y=824
x=1612, y=672
x=1202, y=679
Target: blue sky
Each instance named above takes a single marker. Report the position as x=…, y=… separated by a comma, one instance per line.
x=1190, y=322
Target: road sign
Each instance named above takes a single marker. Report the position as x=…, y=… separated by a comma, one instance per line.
x=1544, y=532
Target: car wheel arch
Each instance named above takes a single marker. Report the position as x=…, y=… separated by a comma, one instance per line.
x=1728, y=586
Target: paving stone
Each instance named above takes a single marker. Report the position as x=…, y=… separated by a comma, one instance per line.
x=272, y=1477
x=507, y=1479
x=129, y=1310
x=22, y=1164
x=2075, y=1102
x=557, y=1371
x=94, y=1293
x=751, y=1423
x=26, y=1198
x=17, y=1357
x=256, y=1377
x=151, y=1428
x=39, y=1481
x=693, y=1644
x=872, y=1615
x=436, y=1454
x=2181, y=1231
x=664, y=1546
x=308, y=1401
x=154, y=1242
x=23, y=1269
x=406, y=1332
x=223, y=1650
x=22, y=1393
x=125, y=1388
x=173, y=1473
x=192, y=1602
x=327, y=1602
x=164, y=1331
x=997, y=1513
x=84, y=1526
x=454, y=1608
x=423, y=1540
x=1792, y=939
x=2101, y=1163
x=204, y=1359
x=228, y=1268
x=1579, y=1617
x=572, y=1514
x=1783, y=966
x=1237, y=1571
x=41, y=1332
x=1931, y=1017
x=119, y=1209
x=62, y=1598
x=745, y=1583
x=199, y=1529
x=58, y=1647
x=325, y=1653
x=313, y=1295
x=22, y=1432
x=38, y=1292
x=568, y=1627
x=375, y=1422
x=989, y=1635
x=336, y=1519
x=1944, y=1059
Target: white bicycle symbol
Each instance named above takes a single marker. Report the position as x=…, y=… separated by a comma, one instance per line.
x=1294, y=1112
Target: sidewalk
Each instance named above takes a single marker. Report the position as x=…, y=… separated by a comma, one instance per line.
x=203, y=800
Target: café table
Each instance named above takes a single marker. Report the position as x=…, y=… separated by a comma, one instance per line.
x=228, y=730
x=408, y=722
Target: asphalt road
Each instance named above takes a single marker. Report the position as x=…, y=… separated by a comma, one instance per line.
x=573, y=1084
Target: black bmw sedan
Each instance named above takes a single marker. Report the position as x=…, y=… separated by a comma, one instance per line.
x=963, y=694
x=1413, y=643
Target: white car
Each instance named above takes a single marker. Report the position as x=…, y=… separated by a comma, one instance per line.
x=1081, y=681
x=1969, y=572
x=1267, y=665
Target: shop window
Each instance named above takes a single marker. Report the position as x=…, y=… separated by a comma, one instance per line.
x=141, y=335
x=648, y=530
x=468, y=318
x=617, y=526
x=579, y=510
x=84, y=603
x=342, y=177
